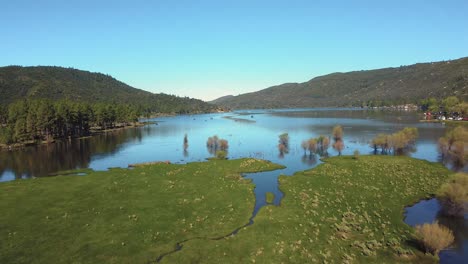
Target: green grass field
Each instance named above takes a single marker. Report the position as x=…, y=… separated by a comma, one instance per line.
x=343, y=211
x=123, y=216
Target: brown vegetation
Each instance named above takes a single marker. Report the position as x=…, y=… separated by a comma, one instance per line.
x=434, y=237
x=452, y=146
x=215, y=144
x=283, y=145
x=398, y=142
x=316, y=145
x=356, y=154
x=337, y=133
x=454, y=195
x=338, y=145
x=223, y=144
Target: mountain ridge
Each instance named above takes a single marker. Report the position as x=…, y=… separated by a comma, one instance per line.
x=391, y=85
x=57, y=83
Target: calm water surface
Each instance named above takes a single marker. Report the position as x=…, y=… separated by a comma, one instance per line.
x=250, y=134
x=258, y=138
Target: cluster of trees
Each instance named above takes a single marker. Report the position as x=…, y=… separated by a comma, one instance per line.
x=42, y=119
x=58, y=83
x=452, y=146
x=316, y=145
x=396, y=143
x=217, y=146
x=384, y=103
x=450, y=104
x=321, y=144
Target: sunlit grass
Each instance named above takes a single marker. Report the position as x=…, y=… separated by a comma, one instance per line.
x=123, y=216
x=343, y=211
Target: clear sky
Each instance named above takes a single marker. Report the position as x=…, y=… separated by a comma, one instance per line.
x=207, y=48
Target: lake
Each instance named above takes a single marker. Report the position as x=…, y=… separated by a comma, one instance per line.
x=251, y=133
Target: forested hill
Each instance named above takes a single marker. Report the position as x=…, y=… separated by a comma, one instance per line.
x=56, y=83
x=405, y=84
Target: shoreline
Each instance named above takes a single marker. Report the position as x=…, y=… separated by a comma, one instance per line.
x=93, y=132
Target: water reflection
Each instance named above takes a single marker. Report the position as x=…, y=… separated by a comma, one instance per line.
x=63, y=155
x=309, y=160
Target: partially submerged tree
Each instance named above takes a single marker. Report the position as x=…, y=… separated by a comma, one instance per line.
x=316, y=145
x=283, y=146
x=185, y=142
x=215, y=144
x=212, y=144
x=380, y=141
x=454, y=195
x=305, y=146
x=398, y=142
x=312, y=146
x=223, y=144
x=452, y=146
x=324, y=145
x=284, y=139
x=337, y=133
x=338, y=144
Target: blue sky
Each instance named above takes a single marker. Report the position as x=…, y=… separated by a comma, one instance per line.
x=206, y=48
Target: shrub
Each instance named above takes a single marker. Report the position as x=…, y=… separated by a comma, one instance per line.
x=221, y=154
x=454, y=195
x=305, y=145
x=434, y=237
x=6, y=135
x=356, y=154
x=453, y=144
x=443, y=146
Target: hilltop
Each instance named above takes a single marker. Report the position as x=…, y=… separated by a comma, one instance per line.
x=404, y=84
x=55, y=83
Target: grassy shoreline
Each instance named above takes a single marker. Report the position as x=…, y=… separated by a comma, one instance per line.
x=122, y=215
x=343, y=211
x=17, y=146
